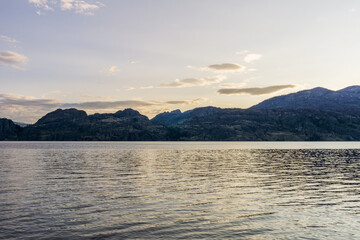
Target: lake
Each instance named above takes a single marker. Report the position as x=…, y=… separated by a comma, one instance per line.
x=180, y=190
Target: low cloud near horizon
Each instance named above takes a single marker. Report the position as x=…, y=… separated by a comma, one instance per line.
x=30, y=109
x=254, y=91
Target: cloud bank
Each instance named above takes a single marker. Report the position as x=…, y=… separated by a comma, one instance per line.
x=254, y=91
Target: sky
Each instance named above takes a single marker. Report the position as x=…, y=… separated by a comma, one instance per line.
x=161, y=55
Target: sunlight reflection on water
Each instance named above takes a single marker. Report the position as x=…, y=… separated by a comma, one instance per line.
x=178, y=190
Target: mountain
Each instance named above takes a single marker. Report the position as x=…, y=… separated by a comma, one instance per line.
x=266, y=125
x=21, y=124
x=317, y=98
x=177, y=117
x=8, y=129
x=317, y=114
x=76, y=125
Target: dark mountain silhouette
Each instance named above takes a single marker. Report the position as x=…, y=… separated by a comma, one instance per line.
x=265, y=125
x=8, y=129
x=318, y=114
x=317, y=98
x=177, y=117
x=76, y=125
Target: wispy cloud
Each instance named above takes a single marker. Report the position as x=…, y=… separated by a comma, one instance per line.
x=8, y=39
x=86, y=7
x=254, y=91
x=43, y=4
x=111, y=70
x=18, y=68
x=191, y=82
x=80, y=6
x=249, y=58
x=29, y=109
x=13, y=58
x=223, y=67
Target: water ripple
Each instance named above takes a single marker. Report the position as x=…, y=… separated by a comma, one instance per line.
x=133, y=191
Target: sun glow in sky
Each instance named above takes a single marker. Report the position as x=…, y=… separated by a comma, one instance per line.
x=161, y=55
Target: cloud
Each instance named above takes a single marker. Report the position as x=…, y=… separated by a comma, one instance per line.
x=191, y=82
x=224, y=67
x=29, y=109
x=86, y=7
x=80, y=6
x=43, y=4
x=20, y=100
x=18, y=68
x=8, y=39
x=254, y=91
x=107, y=104
x=111, y=70
x=252, y=57
x=10, y=57
x=96, y=105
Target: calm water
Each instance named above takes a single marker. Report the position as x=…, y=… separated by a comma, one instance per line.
x=179, y=190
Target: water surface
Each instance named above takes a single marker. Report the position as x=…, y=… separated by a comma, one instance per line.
x=181, y=190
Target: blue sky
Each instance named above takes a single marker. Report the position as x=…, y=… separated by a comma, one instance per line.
x=154, y=56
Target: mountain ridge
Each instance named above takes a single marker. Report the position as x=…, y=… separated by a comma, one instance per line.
x=316, y=98
x=303, y=116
